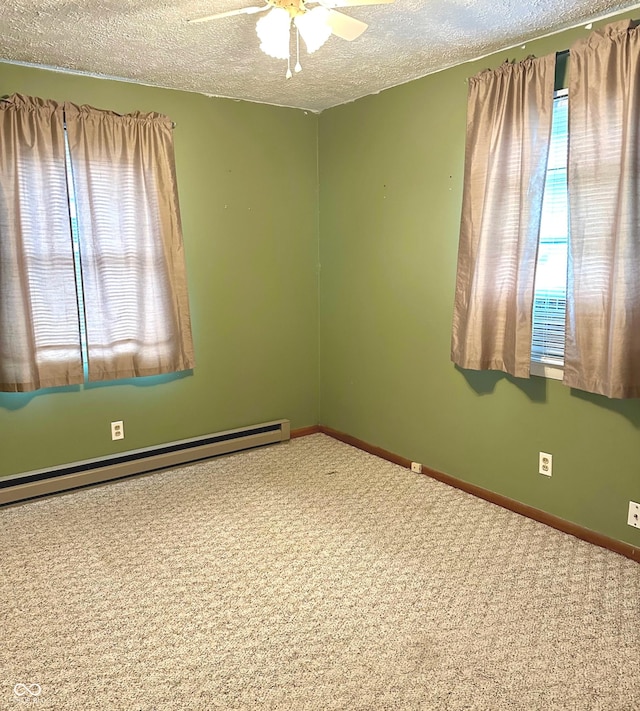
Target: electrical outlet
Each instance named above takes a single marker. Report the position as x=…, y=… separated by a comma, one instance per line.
x=545, y=464
x=117, y=430
x=416, y=467
x=634, y=514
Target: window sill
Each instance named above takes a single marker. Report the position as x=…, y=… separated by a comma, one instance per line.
x=544, y=370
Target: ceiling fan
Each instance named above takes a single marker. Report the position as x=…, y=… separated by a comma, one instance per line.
x=314, y=24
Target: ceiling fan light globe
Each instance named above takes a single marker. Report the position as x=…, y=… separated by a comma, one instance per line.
x=313, y=28
x=273, y=32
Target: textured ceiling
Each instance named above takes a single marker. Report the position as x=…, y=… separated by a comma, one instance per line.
x=149, y=41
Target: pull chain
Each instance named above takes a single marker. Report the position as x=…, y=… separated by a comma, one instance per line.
x=288, y=75
x=298, y=67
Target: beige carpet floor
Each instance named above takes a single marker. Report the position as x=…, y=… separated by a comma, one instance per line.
x=307, y=575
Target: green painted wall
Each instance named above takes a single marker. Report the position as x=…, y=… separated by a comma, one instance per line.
x=391, y=171
x=247, y=179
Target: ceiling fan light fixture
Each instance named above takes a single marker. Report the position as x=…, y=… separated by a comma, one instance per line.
x=274, y=33
x=315, y=25
x=313, y=28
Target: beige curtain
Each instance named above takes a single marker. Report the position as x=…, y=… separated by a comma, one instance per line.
x=509, y=116
x=132, y=257
x=602, y=352
x=39, y=330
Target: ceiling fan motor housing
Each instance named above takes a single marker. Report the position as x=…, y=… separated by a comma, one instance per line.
x=293, y=7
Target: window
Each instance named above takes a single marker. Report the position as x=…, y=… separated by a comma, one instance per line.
x=92, y=273
x=521, y=304
x=550, y=291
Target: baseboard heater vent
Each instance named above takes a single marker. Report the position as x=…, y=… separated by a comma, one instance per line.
x=94, y=471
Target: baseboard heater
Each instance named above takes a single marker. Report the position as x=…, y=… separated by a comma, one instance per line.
x=18, y=487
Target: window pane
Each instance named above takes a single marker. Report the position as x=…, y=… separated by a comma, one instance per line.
x=73, y=214
x=549, y=304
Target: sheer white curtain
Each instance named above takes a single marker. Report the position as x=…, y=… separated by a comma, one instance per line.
x=602, y=352
x=509, y=115
x=39, y=327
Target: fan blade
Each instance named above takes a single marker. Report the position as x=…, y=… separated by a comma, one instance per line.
x=230, y=13
x=354, y=3
x=345, y=26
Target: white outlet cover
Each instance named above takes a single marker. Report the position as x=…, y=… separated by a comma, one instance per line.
x=634, y=514
x=117, y=430
x=416, y=467
x=545, y=464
